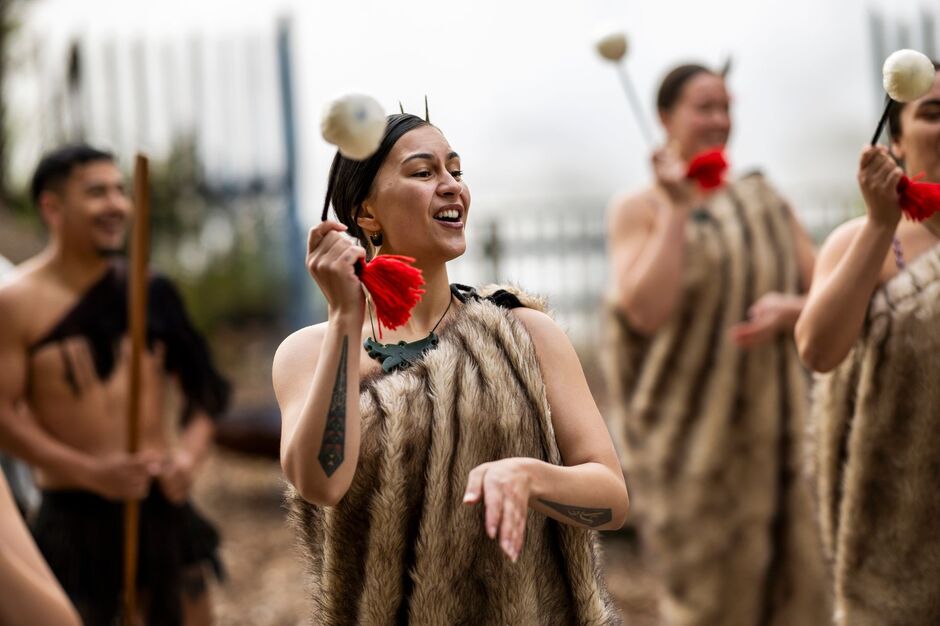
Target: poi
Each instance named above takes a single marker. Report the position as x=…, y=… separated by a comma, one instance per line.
x=706, y=168
x=355, y=124
x=907, y=76
x=611, y=44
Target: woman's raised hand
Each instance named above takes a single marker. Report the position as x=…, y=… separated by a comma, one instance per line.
x=671, y=173
x=878, y=178
x=331, y=260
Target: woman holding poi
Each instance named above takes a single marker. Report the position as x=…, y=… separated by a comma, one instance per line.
x=708, y=395
x=871, y=326
x=453, y=472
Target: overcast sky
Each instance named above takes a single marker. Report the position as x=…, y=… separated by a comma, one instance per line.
x=518, y=89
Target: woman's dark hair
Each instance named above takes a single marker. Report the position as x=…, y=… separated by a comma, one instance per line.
x=56, y=166
x=670, y=90
x=894, y=114
x=350, y=181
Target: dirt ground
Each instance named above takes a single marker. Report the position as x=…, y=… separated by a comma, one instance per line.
x=265, y=586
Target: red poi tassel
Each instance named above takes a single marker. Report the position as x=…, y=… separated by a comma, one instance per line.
x=918, y=200
x=394, y=286
x=708, y=168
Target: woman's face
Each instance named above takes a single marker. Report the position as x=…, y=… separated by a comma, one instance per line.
x=700, y=119
x=919, y=143
x=419, y=201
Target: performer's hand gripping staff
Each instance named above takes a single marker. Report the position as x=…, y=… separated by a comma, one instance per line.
x=706, y=168
x=137, y=322
x=907, y=76
x=355, y=125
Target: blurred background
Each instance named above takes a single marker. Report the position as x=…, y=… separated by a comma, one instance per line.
x=226, y=99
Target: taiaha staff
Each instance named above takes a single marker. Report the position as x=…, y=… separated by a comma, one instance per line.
x=137, y=325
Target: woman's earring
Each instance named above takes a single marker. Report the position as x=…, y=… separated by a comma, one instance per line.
x=376, y=239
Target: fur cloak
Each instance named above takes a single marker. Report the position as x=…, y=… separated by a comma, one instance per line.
x=710, y=434
x=876, y=422
x=400, y=547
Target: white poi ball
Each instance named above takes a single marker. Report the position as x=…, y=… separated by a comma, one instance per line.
x=908, y=75
x=611, y=43
x=355, y=124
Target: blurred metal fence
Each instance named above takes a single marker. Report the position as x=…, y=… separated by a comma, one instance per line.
x=557, y=249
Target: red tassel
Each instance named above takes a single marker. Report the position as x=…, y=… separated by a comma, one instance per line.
x=708, y=168
x=918, y=200
x=395, y=287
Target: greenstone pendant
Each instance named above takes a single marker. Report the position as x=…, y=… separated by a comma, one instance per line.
x=395, y=356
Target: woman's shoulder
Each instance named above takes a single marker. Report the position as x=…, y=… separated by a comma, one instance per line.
x=837, y=242
x=530, y=310
x=636, y=202
x=301, y=346
x=540, y=325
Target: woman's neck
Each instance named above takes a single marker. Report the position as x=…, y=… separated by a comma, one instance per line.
x=435, y=299
x=429, y=310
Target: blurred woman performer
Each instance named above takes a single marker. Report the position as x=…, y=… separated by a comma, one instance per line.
x=478, y=399
x=708, y=393
x=872, y=323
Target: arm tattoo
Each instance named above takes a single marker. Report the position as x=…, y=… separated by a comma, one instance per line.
x=334, y=432
x=592, y=518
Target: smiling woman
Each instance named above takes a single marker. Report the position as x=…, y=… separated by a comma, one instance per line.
x=461, y=481
x=870, y=326
x=708, y=391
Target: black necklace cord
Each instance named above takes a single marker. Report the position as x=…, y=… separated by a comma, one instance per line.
x=450, y=301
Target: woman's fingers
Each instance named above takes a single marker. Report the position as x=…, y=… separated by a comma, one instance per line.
x=894, y=178
x=319, y=232
x=505, y=506
x=330, y=250
x=521, y=514
x=515, y=515
x=885, y=166
x=508, y=524
x=474, y=488
x=350, y=255
x=493, y=501
x=868, y=154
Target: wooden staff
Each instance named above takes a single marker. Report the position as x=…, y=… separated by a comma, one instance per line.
x=137, y=325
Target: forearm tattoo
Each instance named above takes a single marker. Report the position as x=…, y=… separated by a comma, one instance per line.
x=592, y=518
x=334, y=433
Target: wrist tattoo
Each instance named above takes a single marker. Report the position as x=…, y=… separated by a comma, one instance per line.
x=334, y=432
x=592, y=518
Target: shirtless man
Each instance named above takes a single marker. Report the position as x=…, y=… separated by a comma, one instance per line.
x=64, y=357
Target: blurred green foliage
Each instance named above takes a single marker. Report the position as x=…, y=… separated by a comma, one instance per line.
x=221, y=243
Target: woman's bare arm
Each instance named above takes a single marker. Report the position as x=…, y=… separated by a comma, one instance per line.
x=589, y=489
x=850, y=268
x=647, y=253
x=647, y=244
x=316, y=381
x=32, y=595
x=316, y=376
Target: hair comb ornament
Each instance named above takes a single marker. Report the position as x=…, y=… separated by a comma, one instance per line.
x=726, y=67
